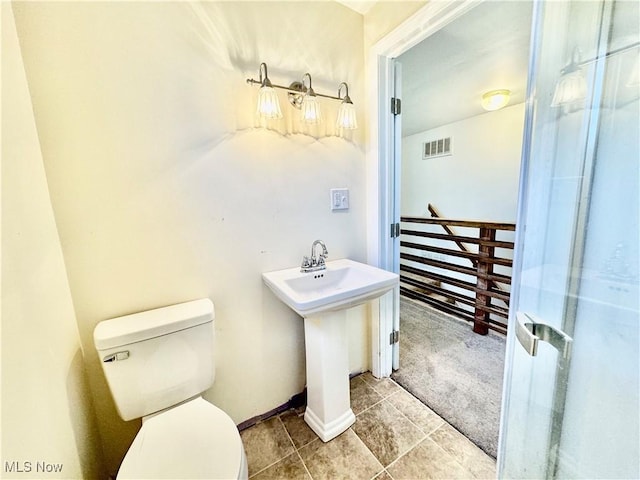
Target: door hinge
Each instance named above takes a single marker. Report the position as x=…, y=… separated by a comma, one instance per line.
x=396, y=106
x=395, y=230
x=394, y=337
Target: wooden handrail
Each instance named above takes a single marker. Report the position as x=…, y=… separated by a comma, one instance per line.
x=446, y=228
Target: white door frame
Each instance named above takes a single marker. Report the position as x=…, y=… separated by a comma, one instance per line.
x=380, y=186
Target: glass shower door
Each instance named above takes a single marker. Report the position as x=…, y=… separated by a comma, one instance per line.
x=571, y=398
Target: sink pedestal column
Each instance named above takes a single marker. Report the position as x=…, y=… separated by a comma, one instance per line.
x=328, y=403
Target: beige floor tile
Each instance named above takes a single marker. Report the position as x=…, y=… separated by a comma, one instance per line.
x=298, y=430
x=344, y=457
x=289, y=468
x=392, y=429
x=464, y=451
x=416, y=411
x=386, y=432
x=384, y=386
x=265, y=444
x=362, y=395
x=427, y=461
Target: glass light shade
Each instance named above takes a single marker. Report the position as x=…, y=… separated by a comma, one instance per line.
x=311, y=110
x=347, y=116
x=268, y=104
x=495, y=100
x=571, y=88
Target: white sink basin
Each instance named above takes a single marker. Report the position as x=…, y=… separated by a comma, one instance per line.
x=343, y=284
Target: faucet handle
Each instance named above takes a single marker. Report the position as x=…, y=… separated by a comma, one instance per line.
x=306, y=262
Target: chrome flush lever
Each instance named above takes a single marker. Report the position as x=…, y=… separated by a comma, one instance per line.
x=529, y=330
x=114, y=357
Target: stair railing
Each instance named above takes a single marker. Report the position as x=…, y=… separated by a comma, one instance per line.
x=471, y=291
x=435, y=214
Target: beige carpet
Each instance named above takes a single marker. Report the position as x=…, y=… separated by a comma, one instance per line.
x=454, y=371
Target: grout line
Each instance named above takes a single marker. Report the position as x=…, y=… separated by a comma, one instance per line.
x=434, y=430
x=454, y=458
x=425, y=435
x=304, y=465
x=268, y=466
x=368, y=450
x=367, y=384
x=295, y=450
x=378, y=473
x=401, y=456
x=474, y=448
x=371, y=406
x=373, y=385
x=422, y=438
x=288, y=435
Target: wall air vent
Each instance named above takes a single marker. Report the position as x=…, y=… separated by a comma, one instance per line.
x=436, y=148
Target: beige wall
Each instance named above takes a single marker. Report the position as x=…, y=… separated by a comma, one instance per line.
x=48, y=421
x=164, y=192
x=484, y=166
x=385, y=16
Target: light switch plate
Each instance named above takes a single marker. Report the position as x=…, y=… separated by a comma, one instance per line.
x=339, y=199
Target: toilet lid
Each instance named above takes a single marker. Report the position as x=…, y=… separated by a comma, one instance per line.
x=193, y=440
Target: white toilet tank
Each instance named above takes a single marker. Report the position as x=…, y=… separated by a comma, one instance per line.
x=158, y=358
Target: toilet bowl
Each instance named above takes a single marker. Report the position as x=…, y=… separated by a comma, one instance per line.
x=157, y=363
x=193, y=440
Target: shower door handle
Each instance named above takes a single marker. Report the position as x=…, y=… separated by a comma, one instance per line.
x=530, y=330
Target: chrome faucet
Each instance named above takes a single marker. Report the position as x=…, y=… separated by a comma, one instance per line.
x=313, y=263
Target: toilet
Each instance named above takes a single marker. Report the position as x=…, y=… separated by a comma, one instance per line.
x=157, y=364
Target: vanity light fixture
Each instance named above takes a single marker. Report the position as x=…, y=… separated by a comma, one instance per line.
x=495, y=99
x=572, y=86
x=310, y=106
x=302, y=97
x=268, y=104
x=347, y=112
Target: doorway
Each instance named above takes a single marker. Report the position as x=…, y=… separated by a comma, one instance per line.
x=443, y=77
x=593, y=127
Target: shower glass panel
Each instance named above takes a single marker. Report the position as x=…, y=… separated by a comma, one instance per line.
x=571, y=410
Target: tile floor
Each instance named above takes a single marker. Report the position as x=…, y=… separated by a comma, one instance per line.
x=395, y=437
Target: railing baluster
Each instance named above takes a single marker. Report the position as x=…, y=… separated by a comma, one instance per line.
x=481, y=317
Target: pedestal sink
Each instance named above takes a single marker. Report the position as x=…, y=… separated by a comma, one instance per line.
x=322, y=297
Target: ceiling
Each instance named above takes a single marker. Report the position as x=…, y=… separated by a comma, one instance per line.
x=360, y=6
x=444, y=76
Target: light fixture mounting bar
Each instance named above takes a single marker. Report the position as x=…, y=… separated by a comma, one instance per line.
x=610, y=53
x=251, y=81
